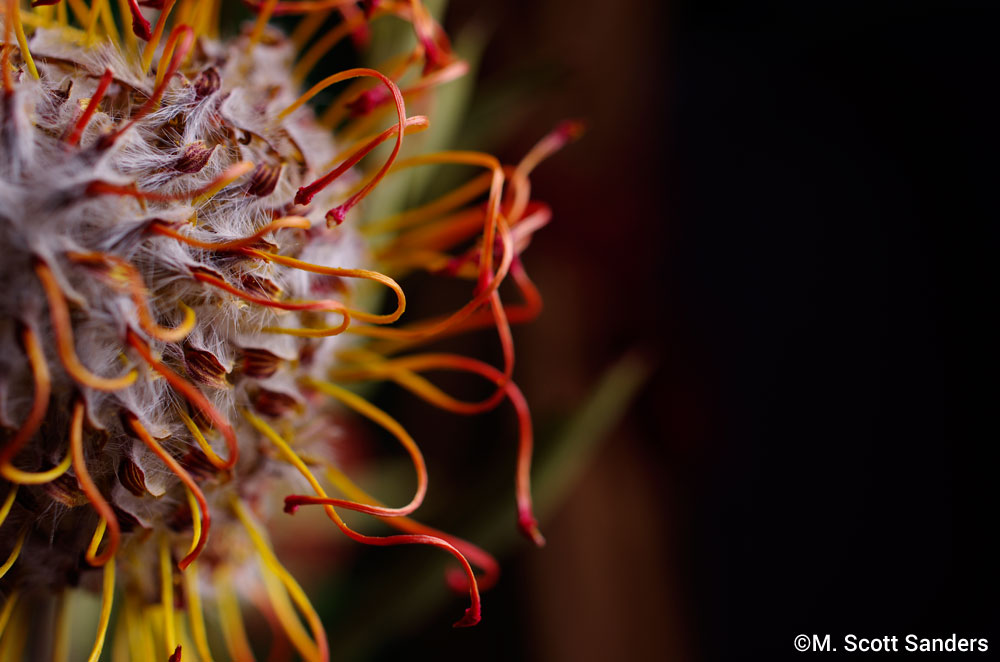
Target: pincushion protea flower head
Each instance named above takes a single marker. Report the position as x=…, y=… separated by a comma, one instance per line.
x=189, y=281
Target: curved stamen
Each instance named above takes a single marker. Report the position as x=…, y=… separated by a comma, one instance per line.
x=126, y=277
x=40, y=403
x=263, y=17
x=233, y=630
x=345, y=273
x=373, y=413
x=206, y=448
x=430, y=328
x=162, y=228
x=564, y=133
x=14, y=19
x=402, y=371
x=16, y=475
x=472, y=614
x=447, y=202
x=319, y=305
x=63, y=331
x=323, y=45
x=140, y=26
x=306, y=193
x=456, y=580
x=201, y=532
x=90, y=490
x=8, y=609
x=222, y=180
x=192, y=395
x=167, y=598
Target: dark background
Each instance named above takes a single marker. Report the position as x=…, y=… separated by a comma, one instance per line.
x=779, y=205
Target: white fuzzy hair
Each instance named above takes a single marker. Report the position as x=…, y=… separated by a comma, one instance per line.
x=46, y=213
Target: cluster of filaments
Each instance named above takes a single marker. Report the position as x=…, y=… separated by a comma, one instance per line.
x=182, y=274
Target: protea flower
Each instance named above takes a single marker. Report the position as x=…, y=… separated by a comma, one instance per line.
x=190, y=281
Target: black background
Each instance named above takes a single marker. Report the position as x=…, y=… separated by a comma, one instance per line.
x=783, y=205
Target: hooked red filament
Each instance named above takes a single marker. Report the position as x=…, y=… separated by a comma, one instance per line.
x=456, y=579
x=338, y=213
x=472, y=614
x=305, y=194
x=344, y=273
x=366, y=409
x=401, y=370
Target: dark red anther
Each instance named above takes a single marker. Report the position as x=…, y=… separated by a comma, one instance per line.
x=176, y=657
x=291, y=507
x=44, y=3
x=260, y=286
x=194, y=157
x=274, y=403
x=204, y=367
x=207, y=82
x=259, y=363
x=132, y=477
x=264, y=179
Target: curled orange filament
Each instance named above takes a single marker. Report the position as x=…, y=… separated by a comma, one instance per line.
x=320, y=305
x=472, y=613
x=306, y=193
x=456, y=579
x=223, y=179
x=370, y=411
x=63, y=330
x=344, y=273
x=185, y=477
x=167, y=230
x=125, y=276
x=39, y=405
x=403, y=371
x=90, y=490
